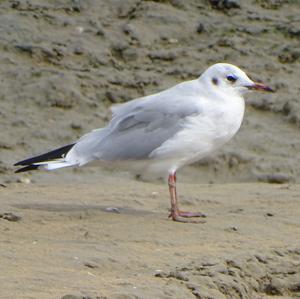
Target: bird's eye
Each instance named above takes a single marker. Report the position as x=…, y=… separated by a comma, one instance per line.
x=231, y=78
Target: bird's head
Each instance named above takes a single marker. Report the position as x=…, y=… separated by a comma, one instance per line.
x=230, y=78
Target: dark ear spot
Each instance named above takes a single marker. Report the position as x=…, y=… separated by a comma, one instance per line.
x=215, y=81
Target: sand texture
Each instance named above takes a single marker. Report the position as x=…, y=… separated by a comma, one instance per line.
x=114, y=240
x=95, y=233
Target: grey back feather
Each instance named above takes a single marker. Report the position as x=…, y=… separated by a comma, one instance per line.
x=140, y=126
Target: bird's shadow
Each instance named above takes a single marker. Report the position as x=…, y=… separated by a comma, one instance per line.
x=81, y=208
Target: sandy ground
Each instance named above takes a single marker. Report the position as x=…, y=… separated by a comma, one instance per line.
x=63, y=63
x=112, y=239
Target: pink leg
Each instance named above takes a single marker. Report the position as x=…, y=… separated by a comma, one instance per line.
x=175, y=212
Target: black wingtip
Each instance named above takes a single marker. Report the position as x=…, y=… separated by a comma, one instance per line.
x=57, y=153
x=27, y=168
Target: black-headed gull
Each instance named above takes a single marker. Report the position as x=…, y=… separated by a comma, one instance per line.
x=169, y=129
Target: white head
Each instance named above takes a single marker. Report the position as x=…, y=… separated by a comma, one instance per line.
x=224, y=76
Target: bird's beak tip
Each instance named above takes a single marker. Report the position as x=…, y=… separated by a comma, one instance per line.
x=260, y=87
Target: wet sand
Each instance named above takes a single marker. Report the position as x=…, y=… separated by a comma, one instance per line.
x=63, y=64
x=94, y=241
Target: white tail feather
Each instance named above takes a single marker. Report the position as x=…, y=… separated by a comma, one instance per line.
x=51, y=165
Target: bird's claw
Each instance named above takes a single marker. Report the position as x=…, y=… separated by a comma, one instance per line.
x=185, y=220
x=188, y=214
x=180, y=216
x=191, y=214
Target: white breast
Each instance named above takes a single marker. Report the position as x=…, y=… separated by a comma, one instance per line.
x=202, y=134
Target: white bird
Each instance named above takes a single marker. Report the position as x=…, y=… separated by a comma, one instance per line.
x=169, y=129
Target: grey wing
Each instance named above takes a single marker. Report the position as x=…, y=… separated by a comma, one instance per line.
x=141, y=127
x=136, y=135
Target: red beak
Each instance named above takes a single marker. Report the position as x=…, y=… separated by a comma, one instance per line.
x=260, y=86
